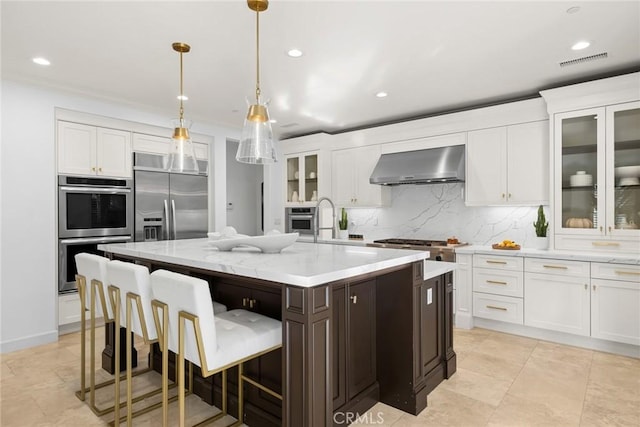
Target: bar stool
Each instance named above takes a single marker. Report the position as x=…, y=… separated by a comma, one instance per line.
x=215, y=342
x=92, y=272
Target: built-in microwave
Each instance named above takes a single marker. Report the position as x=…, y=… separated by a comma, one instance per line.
x=299, y=220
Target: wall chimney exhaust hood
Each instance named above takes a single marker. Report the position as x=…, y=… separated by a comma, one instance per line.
x=429, y=166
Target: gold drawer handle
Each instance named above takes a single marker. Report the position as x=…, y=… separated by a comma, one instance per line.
x=495, y=282
x=633, y=273
x=561, y=267
x=496, y=308
x=605, y=243
x=495, y=262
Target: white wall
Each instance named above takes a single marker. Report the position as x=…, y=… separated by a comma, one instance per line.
x=28, y=259
x=243, y=193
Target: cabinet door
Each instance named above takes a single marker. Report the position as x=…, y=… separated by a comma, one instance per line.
x=615, y=311
x=150, y=144
x=342, y=177
x=431, y=341
x=623, y=170
x=579, y=178
x=365, y=160
x=338, y=366
x=462, y=293
x=76, y=149
x=292, y=175
x=486, y=160
x=559, y=303
x=361, y=337
x=114, y=153
x=528, y=163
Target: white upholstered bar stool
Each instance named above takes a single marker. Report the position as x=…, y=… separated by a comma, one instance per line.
x=215, y=343
x=91, y=280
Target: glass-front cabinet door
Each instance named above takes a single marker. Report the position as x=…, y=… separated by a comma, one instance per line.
x=302, y=175
x=623, y=169
x=580, y=173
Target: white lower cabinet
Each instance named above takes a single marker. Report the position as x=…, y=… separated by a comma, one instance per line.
x=462, y=301
x=498, y=288
x=68, y=308
x=615, y=302
x=557, y=302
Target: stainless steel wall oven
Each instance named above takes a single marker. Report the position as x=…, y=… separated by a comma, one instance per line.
x=299, y=220
x=91, y=211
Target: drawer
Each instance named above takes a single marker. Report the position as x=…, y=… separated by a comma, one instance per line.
x=557, y=267
x=624, y=272
x=585, y=243
x=498, y=262
x=68, y=308
x=496, y=307
x=498, y=282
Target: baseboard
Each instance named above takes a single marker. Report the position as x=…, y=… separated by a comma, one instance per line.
x=560, y=337
x=27, y=342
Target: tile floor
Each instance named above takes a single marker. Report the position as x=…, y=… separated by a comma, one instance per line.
x=502, y=380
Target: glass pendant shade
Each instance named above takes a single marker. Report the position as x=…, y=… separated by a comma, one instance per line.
x=256, y=144
x=182, y=155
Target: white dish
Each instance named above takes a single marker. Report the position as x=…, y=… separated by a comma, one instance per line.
x=580, y=179
x=627, y=171
x=270, y=244
x=629, y=181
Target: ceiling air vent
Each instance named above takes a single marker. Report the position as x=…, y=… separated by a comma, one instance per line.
x=576, y=61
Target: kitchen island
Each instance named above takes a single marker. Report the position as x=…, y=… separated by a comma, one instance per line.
x=359, y=324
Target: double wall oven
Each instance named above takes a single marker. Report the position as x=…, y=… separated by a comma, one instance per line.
x=91, y=211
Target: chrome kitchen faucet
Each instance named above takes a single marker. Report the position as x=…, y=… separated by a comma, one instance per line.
x=316, y=220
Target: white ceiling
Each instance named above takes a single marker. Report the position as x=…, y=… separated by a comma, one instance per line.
x=430, y=56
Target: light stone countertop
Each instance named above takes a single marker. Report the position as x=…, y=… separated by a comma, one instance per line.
x=302, y=264
x=630, y=259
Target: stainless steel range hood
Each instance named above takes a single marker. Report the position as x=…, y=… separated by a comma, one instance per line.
x=429, y=166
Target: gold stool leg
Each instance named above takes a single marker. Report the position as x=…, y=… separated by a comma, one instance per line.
x=181, y=403
x=81, y=281
x=114, y=295
x=129, y=365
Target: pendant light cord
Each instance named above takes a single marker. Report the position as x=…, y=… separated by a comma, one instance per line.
x=257, y=56
x=181, y=94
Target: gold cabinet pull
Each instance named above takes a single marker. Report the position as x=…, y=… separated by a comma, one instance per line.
x=93, y=169
x=245, y=301
x=586, y=287
x=493, y=307
x=489, y=261
x=252, y=303
x=354, y=298
x=594, y=288
x=605, y=243
x=503, y=195
x=495, y=282
x=633, y=273
x=561, y=267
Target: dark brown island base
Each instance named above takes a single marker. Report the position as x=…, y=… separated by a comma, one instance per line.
x=359, y=325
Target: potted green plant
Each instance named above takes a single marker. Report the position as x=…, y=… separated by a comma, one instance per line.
x=541, y=225
x=343, y=223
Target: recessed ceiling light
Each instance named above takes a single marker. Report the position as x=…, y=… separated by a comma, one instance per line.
x=41, y=61
x=381, y=94
x=183, y=97
x=581, y=45
x=294, y=53
x=273, y=121
x=574, y=9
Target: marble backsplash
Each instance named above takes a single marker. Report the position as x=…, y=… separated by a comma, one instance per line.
x=437, y=211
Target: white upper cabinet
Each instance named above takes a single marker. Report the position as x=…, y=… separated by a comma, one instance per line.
x=305, y=178
x=508, y=165
x=597, y=175
x=350, y=172
x=91, y=150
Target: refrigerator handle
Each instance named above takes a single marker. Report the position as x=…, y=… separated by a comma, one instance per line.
x=173, y=217
x=166, y=220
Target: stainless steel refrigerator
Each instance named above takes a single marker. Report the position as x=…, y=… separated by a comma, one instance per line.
x=169, y=206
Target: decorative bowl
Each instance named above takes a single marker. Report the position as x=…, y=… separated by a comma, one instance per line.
x=627, y=172
x=269, y=244
x=580, y=179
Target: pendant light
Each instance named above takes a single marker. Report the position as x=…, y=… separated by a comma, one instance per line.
x=182, y=156
x=256, y=144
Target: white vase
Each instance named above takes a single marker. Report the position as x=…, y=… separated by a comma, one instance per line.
x=343, y=234
x=541, y=243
